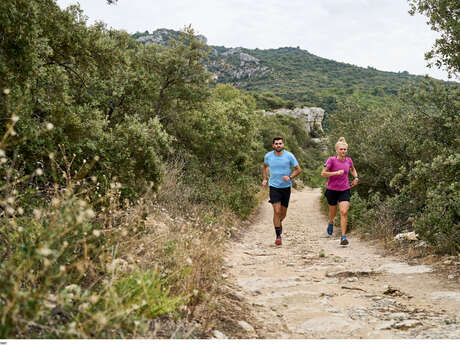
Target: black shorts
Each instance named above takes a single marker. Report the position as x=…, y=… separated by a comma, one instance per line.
x=280, y=195
x=333, y=196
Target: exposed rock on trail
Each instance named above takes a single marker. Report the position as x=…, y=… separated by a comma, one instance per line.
x=311, y=287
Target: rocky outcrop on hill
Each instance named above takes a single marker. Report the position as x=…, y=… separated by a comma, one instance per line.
x=235, y=64
x=162, y=36
x=229, y=64
x=312, y=116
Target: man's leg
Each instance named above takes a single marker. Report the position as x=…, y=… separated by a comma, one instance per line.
x=277, y=222
x=277, y=214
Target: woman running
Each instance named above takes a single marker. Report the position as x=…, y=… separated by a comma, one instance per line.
x=338, y=187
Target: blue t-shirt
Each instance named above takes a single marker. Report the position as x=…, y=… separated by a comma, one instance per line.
x=280, y=166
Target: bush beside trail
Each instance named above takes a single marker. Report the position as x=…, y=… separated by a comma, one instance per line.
x=407, y=157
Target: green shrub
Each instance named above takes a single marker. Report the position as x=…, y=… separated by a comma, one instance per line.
x=407, y=153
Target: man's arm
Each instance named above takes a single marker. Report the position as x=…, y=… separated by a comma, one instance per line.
x=296, y=172
x=264, y=174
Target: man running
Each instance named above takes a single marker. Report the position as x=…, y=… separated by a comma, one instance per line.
x=280, y=163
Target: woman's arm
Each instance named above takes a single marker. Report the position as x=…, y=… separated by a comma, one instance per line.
x=326, y=173
x=354, y=173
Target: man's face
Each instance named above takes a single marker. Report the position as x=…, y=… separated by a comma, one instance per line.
x=278, y=145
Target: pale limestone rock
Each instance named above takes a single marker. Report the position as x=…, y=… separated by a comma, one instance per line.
x=219, y=335
x=313, y=116
x=246, y=326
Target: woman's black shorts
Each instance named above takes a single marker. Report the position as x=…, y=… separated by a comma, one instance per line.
x=280, y=195
x=333, y=196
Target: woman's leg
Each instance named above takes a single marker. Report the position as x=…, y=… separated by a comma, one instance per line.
x=344, y=207
x=332, y=213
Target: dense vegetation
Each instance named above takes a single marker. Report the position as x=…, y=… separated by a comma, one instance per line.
x=124, y=167
x=106, y=141
x=407, y=157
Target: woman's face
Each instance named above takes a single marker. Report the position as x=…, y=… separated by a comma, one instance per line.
x=341, y=150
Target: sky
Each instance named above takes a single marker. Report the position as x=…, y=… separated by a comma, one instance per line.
x=376, y=33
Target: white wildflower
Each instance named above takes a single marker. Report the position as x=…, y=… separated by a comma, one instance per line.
x=73, y=288
x=94, y=299
x=6, y=91
x=94, y=179
x=83, y=306
x=51, y=155
x=101, y=318
x=37, y=213
x=39, y=172
x=62, y=268
x=49, y=304
x=3, y=160
x=65, y=244
x=14, y=118
x=79, y=218
x=45, y=251
x=10, y=210
x=20, y=211
x=90, y=213
x=2, y=153
x=96, y=233
x=189, y=261
x=72, y=327
x=49, y=126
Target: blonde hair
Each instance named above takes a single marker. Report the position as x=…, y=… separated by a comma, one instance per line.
x=341, y=142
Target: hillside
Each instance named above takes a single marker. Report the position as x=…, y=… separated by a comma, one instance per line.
x=293, y=74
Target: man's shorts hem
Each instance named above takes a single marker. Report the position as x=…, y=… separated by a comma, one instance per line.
x=280, y=195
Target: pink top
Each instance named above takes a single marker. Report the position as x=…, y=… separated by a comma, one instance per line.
x=338, y=182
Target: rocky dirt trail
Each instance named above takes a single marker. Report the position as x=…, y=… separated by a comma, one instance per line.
x=311, y=287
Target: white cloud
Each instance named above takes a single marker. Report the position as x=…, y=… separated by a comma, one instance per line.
x=373, y=33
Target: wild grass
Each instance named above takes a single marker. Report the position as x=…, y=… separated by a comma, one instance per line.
x=78, y=264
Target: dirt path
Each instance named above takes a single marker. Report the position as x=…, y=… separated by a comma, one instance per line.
x=349, y=292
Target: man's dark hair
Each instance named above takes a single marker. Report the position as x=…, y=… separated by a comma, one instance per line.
x=277, y=138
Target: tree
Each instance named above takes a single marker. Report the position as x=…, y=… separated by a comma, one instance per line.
x=443, y=17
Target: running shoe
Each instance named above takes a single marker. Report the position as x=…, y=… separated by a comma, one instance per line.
x=278, y=241
x=330, y=228
x=343, y=241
